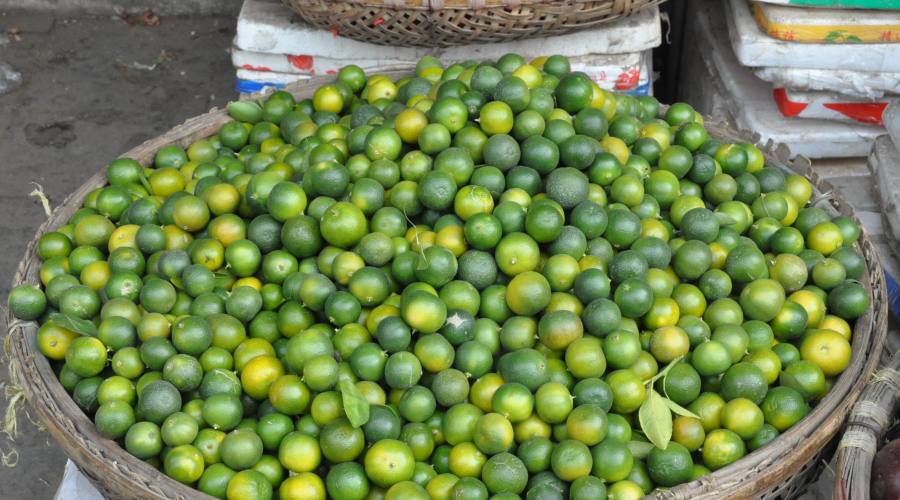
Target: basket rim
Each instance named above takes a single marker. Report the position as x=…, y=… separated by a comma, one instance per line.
x=434, y=23
x=109, y=464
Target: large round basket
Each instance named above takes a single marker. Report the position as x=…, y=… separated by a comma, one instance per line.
x=444, y=23
x=780, y=469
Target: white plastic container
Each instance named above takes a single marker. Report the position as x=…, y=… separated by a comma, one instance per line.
x=755, y=48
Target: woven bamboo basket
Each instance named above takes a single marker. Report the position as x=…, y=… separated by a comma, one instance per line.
x=445, y=23
x=871, y=418
x=781, y=469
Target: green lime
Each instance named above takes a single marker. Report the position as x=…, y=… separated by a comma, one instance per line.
x=158, y=400
x=143, y=440
x=567, y=186
x=525, y=366
x=623, y=227
x=389, y=462
x=573, y=93
x=571, y=460
x=634, y=297
x=849, y=300
x=670, y=466
x=184, y=464
x=26, y=302
x=721, y=448
x=254, y=484
x=505, y=473
x=114, y=418
x=527, y=293
x=502, y=151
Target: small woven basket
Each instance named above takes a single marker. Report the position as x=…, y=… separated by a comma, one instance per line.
x=445, y=23
x=781, y=469
x=872, y=416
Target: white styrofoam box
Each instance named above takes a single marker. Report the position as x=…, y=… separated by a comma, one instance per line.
x=813, y=96
x=748, y=101
x=622, y=72
x=270, y=77
x=630, y=73
x=828, y=106
x=268, y=26
x=853, y=83
x=828, y=24
x=840, y=4
x=304, y=65
x=755, y=48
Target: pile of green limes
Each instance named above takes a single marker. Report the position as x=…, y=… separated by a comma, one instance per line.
x=490, y=280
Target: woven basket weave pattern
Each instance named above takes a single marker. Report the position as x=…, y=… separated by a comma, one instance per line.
x=781, y=469
x=445, y=23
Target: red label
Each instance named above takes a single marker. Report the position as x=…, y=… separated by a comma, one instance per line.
x=866, y=112
x=301, y=62
x=785, y=105
x=628, y=79
x=256, y=68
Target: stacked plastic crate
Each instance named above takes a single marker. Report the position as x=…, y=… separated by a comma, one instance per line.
x=816, y=77
x=273, y=47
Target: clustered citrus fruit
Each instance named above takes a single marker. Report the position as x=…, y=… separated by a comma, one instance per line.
x=460, y=284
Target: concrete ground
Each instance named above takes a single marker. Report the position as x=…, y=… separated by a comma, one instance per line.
x=163, y=7
x=88, y=94
x=91, y=88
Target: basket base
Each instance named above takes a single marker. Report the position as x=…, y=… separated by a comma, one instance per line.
x=447, y=27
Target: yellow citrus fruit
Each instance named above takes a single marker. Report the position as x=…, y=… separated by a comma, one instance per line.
x=828, y=349
x=616, y=147
x=123, y=236
x=837, y=324
x=815, y=307
x=259, y=374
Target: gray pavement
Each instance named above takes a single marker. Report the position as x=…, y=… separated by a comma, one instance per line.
x=162, y=7
x=87, y=95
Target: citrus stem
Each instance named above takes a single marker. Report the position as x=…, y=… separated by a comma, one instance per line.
x=664, y=371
